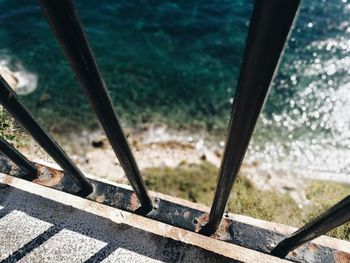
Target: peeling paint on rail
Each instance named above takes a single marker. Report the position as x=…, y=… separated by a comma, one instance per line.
x=182, y=216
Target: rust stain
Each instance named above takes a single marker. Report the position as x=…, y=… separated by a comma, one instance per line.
x=226, y=223
x=48, y=176
x=176, y=233
x=201, y=221
x=223, y=229
x=100, y=198
x=186, y=214
x=313, y=247
x=7, y=180
x=103, y=210
x=134, y=202
x=341, y=257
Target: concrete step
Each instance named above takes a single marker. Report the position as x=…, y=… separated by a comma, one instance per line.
x=40, y=224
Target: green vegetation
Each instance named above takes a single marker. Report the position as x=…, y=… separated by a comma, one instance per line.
x=9, y=130
x=323, y=195
x=268, y=205
x=6, y=125
x=197, y=182
x=188, y=181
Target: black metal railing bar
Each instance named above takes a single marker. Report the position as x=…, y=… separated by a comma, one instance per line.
x=67, y=27
x=10, y=102
x=270, y=25
x=335, y=216
x=19, y=159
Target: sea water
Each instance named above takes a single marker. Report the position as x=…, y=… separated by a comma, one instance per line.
x=178, y=62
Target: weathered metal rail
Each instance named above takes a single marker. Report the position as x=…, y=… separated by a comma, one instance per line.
x=19, y=159
x=185, y=215
x=10, y=102
x=270, y=24
x=332, y=218
x=66, y=25
x=269, y=28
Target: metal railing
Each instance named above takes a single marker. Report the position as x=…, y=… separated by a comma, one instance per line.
x=67, y=28
x=19, y=159
x=269, y=28
x=9, y=101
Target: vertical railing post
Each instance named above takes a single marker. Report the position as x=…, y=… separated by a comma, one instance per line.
x=9, y=101
x=67, y=27
x=270, y=24
x=19, y=159
x=332, y=218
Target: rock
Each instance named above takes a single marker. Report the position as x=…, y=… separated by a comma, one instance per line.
x=44, y=98
x=9, y=76
x=22, y=82
x=97, y=143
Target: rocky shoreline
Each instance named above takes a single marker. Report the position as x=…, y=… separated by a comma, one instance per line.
x=157, y=146
x=154, y=145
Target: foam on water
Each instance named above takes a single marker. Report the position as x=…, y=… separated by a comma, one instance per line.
x=25, y=82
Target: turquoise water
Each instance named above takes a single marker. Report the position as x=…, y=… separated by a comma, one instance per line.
x=178, y=62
